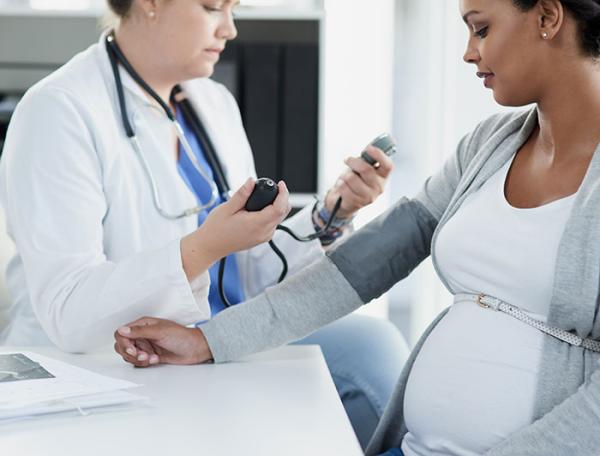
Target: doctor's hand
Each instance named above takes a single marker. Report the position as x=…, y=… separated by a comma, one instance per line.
x=361, y=184
x=149, y=341
x=230, y=228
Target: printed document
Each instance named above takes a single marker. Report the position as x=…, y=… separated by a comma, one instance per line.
x=33, y=384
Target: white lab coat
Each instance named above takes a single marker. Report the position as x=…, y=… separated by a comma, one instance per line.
x=92, y=251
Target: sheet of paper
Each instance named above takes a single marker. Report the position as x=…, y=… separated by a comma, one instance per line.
x=83, y=404
x=28, y=378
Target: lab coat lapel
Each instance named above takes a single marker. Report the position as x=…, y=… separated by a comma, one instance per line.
x=230, y=142
x=155, y=135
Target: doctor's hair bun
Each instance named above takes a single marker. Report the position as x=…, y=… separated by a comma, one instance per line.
x=120, y=7
x=587, y=15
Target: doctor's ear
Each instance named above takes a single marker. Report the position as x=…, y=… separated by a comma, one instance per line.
x=149, y=8
x=551, y=18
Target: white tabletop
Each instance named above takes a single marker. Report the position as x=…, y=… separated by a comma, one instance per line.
x=281, y=402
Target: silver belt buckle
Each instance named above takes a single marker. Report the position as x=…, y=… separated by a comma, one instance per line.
x=480, y=303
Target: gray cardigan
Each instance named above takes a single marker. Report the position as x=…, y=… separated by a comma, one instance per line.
x=368, y=263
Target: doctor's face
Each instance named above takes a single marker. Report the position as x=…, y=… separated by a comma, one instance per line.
x=191, y=34
x=504, y=46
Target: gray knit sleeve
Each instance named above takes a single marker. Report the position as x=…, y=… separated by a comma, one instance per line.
x=315, y=296
x=362, y=267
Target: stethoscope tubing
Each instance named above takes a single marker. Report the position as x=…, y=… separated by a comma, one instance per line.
x=116, y=56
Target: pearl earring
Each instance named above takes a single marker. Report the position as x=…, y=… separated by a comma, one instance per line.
x=151, y=14
x=545, y=35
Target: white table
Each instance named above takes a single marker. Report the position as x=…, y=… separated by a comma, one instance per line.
x=281, y=402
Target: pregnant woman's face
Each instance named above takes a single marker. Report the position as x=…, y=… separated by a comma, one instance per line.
x=506, y=47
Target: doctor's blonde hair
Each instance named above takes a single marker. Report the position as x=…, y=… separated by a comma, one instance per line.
x=119, y=10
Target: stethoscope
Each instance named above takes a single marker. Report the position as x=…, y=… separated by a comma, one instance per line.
x=218, y=186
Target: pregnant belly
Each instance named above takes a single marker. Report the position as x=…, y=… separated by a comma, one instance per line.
x=472, y=384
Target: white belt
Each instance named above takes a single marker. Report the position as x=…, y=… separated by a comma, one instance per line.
x=488, y=302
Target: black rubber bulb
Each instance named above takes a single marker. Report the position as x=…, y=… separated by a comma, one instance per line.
x=264, y=193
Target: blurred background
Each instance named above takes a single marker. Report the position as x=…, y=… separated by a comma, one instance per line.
x=316, y=80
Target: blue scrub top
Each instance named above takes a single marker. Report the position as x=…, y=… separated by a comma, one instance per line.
x=201, y=188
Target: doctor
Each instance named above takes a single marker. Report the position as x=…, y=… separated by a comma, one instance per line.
x=111, y=201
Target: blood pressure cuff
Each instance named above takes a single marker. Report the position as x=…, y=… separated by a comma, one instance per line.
x=386, y=250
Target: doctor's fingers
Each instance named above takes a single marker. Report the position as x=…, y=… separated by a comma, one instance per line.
x=260, y=223
x=355, y=191
x=281, y=207
x=367, y=173
x=240, y=197
x=386, y=165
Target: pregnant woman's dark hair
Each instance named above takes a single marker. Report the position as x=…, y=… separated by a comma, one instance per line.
x=587, y=15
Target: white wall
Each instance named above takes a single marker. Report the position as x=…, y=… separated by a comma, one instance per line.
x=437, y=100
x=357, y=91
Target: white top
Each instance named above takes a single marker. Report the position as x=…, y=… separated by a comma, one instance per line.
x=494, y=248
x=467, y=390
x=92, y=251
x=277, y=402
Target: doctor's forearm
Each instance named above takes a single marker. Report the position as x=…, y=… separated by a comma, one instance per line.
x=196, y=256
x=79, y=312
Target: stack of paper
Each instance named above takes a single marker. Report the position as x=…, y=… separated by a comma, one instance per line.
x=32, y=384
